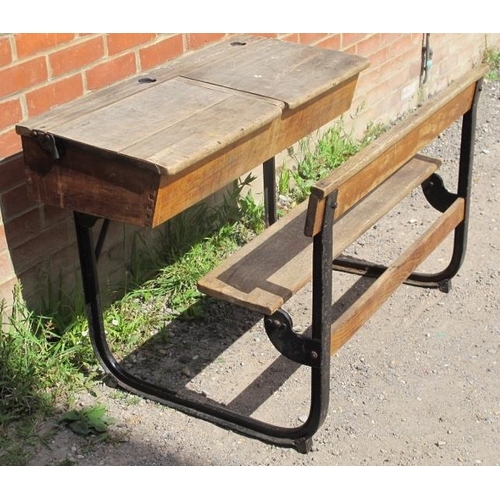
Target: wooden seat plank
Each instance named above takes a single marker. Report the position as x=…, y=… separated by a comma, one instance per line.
x=267, y=271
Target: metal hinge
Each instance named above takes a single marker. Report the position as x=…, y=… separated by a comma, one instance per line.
x=47, y=142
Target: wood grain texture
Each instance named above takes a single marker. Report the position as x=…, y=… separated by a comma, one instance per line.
x=115, y=185
x=359, y=312
x=292, y=73
x=101, y=99
x=178, y=192
x=207, y=119
x=364, y=171
x=266, y=272
x=196, y=180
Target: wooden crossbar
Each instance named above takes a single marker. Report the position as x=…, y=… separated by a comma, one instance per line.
x=358, y=313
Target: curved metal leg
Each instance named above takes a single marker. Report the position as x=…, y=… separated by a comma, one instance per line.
x=300, y=437
x=441, y=199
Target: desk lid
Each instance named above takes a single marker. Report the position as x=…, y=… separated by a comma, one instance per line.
x=199, y=103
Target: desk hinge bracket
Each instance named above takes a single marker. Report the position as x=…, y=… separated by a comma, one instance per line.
x=303, y=350
x=436, y=193
x=47, y=142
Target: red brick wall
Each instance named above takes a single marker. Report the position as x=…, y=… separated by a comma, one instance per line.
x=40, y=71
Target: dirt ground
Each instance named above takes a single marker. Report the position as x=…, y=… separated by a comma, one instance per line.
x=419, y=384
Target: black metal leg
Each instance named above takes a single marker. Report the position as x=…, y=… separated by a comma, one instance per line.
x=269, y=173
x=322, y=314
x=299, y=437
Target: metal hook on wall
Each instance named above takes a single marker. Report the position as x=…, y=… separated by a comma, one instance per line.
x=427, y=54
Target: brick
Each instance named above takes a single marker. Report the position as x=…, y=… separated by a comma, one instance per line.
x=400, y=52
x=291, y=37
x=400, y=38
x=266, y=35
x=369, y=45
x=380, y=56
x=52, y=215
x=28, y=44
x=11, y=173
x=6, y=289
x=110, y=71
x=23, y=228
x=41, y=247
x=311, y=38
x=6, y=267
x=16, y=201
x=34, y=282
x=59, y=92
x=5, y=51
x=118, y=42
x=332, y=43
x=196, y=40
x=160, y=52
x=65, y=260
x=407, y=47
x=3, y=238
x=10, y=113
x=349, y=39
x=77, y=56
x=10, y=144
x=22, y=76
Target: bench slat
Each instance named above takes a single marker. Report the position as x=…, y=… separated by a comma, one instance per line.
x=266, y=272
x=366, y=170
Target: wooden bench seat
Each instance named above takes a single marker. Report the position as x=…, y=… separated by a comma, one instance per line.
x=269, y=270
x=275, y=265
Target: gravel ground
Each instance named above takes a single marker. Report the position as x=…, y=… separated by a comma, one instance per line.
x=417, y=385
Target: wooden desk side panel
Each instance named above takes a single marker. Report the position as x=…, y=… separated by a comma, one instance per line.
x=177, y=193
x=298, y=124
x=101, y=184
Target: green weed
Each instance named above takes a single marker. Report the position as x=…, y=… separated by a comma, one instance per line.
x=492, y=58
x=311, y=164
x=89, y=420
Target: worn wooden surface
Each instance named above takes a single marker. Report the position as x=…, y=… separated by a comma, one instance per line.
x=266, y=272
x=271, y=69
x=360, y=174
x=203, y=121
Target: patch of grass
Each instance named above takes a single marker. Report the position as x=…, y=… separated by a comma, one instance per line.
x=312, y=164
x=492, y=58
x=39, y=366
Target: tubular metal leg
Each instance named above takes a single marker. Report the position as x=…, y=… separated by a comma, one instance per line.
x=299, y=437
x=269, y=172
